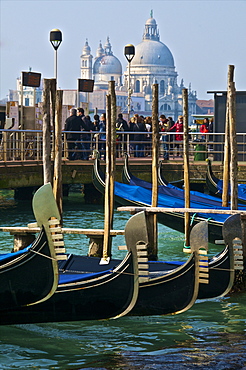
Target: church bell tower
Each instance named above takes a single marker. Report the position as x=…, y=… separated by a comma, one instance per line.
x=86, y=62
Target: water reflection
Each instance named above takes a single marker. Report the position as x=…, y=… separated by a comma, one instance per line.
x=206, y=335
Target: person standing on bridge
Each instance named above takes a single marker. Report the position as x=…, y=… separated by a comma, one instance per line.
x=73, y=123
x=88, y=126
x=138, y=129
x=179, y=128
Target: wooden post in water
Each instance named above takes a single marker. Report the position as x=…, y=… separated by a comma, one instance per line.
x=53, y=111
x=47, y=168
x=226, y=166
x=186, y=166
x=233, y=152
x=111, y=90
x=107, y=242
x=227, y=146
x=57, y=179
x=152, y=218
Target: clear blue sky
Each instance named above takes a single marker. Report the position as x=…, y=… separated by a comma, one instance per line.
x=203, y=36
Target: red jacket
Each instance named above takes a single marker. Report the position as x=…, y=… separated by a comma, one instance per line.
x=203, y=128
x=179, y=127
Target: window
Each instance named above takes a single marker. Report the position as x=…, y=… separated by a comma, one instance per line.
x=137, y=86
x=162, y=87
x=165, y=107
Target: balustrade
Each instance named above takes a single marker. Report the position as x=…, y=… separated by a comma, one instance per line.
x=26, y=145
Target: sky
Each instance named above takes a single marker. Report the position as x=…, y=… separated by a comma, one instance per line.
x=204, y=37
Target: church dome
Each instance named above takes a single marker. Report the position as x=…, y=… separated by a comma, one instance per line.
x=86, y=49
x=151, y=21
x=107, y=64
x=150, y=52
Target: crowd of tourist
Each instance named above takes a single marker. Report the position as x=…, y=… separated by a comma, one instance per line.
x=133, y=136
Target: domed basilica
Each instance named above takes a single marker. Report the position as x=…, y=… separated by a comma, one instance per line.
x=153, y=63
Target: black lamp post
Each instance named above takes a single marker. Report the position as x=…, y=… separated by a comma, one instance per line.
x=55, y=39
x=129, y=53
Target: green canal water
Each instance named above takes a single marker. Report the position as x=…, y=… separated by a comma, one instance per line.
x=211, y=335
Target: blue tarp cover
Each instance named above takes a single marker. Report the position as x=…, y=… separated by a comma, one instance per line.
x=170, y=197
x=7, y=256
x=72, y=278
x=241, y=189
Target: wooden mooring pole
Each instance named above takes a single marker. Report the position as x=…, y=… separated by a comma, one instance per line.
x=226, y=164
x=47, y=168
x=101, y=245
x=57, y=178
x=233, y=151
x=107, y=241
x=152, y=218
x=112, y=143
x=186, y=166
x=240, y=275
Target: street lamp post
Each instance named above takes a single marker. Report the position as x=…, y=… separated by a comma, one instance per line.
x=55, y=39
x=129, y=53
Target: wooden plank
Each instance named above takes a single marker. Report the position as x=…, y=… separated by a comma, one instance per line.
x=28, y=230
x=181, y=210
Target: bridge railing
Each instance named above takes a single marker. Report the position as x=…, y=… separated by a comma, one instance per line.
x=26, y=145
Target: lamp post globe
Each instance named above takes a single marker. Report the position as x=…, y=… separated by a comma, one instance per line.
x=129, y=53
x=55, y=39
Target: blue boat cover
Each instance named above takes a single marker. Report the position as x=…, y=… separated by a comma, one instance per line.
x=169, y=199
x=72, y=278
x=7, y=256
x=172, y=190
x=241, y=189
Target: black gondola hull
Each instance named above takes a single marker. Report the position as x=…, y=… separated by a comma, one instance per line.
x=220, y=267
x=102, y=297
x=27, y=277
x=172, y=293
x=171, y=288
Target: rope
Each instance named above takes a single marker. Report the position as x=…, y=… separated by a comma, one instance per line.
x=217, y=268
x=185, y=246
x=192, y=219
x=110, y=272
x=43, y=255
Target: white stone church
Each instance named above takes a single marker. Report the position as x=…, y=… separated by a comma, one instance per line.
x=153, y=63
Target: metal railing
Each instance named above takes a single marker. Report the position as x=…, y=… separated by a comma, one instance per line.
x=26, y=145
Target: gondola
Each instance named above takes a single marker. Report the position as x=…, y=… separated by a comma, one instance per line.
x=30, y=275
x=169, y=288
x=167, y=188
x=164, y=288
x=220, y=267
x=88, y=290
x=216, y=272
x=215, y=185
x=132, y=195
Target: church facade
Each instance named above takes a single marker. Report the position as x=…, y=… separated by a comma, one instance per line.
x=153, y=63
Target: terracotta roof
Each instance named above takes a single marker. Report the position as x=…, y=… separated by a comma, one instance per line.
x=205, y=103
